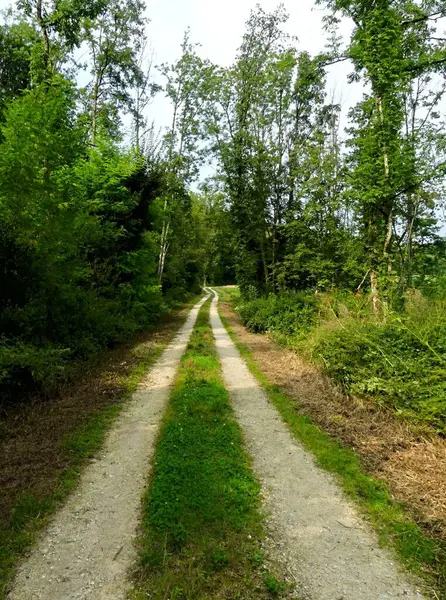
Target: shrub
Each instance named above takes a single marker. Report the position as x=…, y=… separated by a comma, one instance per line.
x=400, y=362
x=286, y=314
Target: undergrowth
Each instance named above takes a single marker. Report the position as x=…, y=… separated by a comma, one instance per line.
x=399, y=361
x=201, y=526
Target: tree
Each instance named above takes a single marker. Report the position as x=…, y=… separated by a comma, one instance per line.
x=60, y=25
x=114, y=40
x=387, y=53
x=187, y=85
x=144, y=91
x=17, y=39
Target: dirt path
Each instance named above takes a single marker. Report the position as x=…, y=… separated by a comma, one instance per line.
x=86, y=551
x=331, y=552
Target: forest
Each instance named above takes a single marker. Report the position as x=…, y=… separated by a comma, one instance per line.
x=223, y=340
x=333, y=232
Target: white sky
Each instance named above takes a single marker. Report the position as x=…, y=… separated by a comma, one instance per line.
x=219, y=27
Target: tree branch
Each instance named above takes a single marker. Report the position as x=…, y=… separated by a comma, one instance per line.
x=432, y=17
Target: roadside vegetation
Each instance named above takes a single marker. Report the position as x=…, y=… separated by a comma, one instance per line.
x=202, y=532
x=99, y=232
x=399, y=361
x=333, y=235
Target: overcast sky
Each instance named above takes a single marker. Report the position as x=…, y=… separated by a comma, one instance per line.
x=219, y=27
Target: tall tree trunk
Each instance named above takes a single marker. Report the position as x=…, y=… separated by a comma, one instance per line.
x=411, y=215
x=45, y=37
x=164, y=243
x=389, y=216
x=374, y=291
x=94, y=113
x=137, y=124
x=265, y=266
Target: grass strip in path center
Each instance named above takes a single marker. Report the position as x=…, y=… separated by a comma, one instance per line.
x=202, y=528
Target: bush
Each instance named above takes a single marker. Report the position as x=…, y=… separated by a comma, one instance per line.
x=287, y=314
x=400, y=362
x=22, y=366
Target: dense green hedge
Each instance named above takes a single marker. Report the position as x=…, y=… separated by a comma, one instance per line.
x=400, y=361
x=288, y=314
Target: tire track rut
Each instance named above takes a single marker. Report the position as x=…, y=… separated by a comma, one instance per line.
x=86, y=551
x=330, y=550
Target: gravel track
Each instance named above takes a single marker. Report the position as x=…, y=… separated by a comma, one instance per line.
x=330, y=551
x=87, y=550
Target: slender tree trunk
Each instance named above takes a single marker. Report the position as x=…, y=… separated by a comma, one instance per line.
x=46, y=61
x=374, y=291
x=387, y=240
x=411, y=214
x=274, y=246
x=95, y=104
x=162, y=261
x=265, y=266
x=45, y=37
x=137, y=124
x=164, y=244
x=94, y=113
x=389, y=219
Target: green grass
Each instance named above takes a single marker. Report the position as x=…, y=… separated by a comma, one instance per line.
x=421, y=554
x=32, y=512
x=202, y=527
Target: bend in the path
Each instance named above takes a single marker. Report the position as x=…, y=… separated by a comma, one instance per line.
x=87, y=550
x=331, y=552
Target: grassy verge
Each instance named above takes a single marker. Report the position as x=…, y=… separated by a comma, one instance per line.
x=35, y=502
x=421, y=554
x=202, y=529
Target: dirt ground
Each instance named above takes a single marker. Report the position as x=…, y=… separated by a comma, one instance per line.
x=411, y=459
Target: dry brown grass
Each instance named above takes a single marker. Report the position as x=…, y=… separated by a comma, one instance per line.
x=411, y=459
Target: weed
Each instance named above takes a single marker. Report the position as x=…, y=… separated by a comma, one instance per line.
x=401, y=362
x=274, y=586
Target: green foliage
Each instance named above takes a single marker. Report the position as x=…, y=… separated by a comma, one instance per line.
x=16, y=41
x=309, y=209
x=79, y=261
x=79, y=223
x=274, y=586
x=113, y=38
x=286, y=314
x=400, y=362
